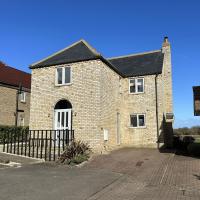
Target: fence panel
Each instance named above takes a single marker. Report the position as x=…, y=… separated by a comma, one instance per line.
x=44, y=144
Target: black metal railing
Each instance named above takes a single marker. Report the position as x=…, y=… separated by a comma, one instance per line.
x=44, y=144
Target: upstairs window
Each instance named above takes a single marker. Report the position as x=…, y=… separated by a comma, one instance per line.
x=63, y=75
x=137, y=120
x=136, y=85
x=23, y=96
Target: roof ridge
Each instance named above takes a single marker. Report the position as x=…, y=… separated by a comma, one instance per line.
x=68, y=47
x=90, y=47
x=135, y=54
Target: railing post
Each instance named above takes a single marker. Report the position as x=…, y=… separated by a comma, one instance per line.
x=50, y=145
x=38, y=143
x=41, y=145
x=11, y=140
x=18, y=143
x=7, y=142
x=33, y=141
x=59, y=143
x=15, y=141
x=63, y=139
x=25, y=142
x=67, y=138
x=22, y=142
x=29, y=144
x=45, y=150
x=4, y=143
x=54, y=148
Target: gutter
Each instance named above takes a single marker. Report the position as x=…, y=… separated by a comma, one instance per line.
x=109, y=64
x=157, y=125
x=14, y=86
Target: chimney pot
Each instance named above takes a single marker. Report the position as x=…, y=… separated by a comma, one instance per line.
x=166, y=42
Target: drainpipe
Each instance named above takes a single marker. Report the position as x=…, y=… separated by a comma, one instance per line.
x=71, y=132
x=157, y=125
x=17, y=103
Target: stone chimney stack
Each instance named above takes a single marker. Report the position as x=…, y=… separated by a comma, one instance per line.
x=167, y=93
x=167, y=76
x=165, y=42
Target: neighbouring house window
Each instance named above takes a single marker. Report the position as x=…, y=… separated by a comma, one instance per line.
x=23, y=96
x=63, y=75
x=136, y=85
x=137, y=120
x=21, y=121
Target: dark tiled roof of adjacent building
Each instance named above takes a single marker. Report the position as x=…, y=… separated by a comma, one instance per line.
x=139, y=64
x=196, y=88
x=132, y=65
x=13, y=77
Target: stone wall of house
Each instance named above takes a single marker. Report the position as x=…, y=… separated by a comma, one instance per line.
x=92, y=93
x=143, y=103
x=8, y=106
x=110, y=105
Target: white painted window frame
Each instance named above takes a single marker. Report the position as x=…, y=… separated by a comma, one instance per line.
x=63, y=76
x=136, y=85
x=23, y=94
x=137, y=114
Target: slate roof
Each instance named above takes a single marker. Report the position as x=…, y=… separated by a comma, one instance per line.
x=13, y=77
x=79, y=51
x=139, y=64
x=131, y=65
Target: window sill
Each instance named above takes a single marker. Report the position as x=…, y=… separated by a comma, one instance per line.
x=140, y=127
x=66, y=84
x=137, y=93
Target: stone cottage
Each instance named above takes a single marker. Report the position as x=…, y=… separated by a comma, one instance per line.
x=108, y=102
x=15, y=87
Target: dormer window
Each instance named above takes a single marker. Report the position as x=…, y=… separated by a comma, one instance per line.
x=136, y=85
x=63, y=75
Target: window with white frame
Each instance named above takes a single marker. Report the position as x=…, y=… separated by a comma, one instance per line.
x=63, y=75
x=136, y=85
x=23, y=96
x=137, y=120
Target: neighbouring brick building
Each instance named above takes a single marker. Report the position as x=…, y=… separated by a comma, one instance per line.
x=109, y=102
x=196, y=93
x=14, y=83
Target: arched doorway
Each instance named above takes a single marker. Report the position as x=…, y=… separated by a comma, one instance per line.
x=62, y=115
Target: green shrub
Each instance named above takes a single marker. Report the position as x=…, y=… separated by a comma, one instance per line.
x=76, y=152
x=79, y=159
x=194, y=149
x=8, y=133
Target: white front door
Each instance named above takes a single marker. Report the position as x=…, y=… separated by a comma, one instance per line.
x=62, y=122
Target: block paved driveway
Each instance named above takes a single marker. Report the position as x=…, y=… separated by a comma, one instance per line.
x=125, y=174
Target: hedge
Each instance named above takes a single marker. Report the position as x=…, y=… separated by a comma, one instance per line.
x=10, y=132
x=195, y=130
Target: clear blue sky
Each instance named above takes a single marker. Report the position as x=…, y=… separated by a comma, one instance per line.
x=31, y=30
